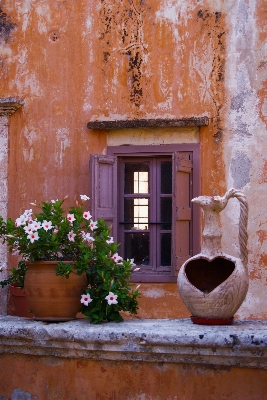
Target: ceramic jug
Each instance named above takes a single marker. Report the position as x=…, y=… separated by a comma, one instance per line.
x=212, y=284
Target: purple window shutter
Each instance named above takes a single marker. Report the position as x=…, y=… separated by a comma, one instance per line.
x=182, y=167
x=103, y=190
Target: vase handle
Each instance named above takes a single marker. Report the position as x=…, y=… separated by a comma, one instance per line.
x=243, y=222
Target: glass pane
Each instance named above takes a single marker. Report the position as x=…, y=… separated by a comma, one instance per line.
x=136, y=211
x=165, y=249
x=136, y=246
x=136, y=178
x=166, y=212
x=166, y=177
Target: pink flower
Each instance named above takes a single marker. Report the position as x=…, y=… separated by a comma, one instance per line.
x=111, y=298
x=27, y=213
x=71, y=218
x=71, y=236
x=33, y=236
x=28, y=229
x=117, y=258
x=93, y=225
x=35, y=225
x=20, y=221
x=110, y=240
x=86, y=299
x=47, y=225
x=87, y=215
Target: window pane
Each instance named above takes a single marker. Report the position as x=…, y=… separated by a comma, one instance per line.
x=136, y=211
x=166, y=212
x=136, y=178
x=165, y=249
x=136, y=246
x=166, y=177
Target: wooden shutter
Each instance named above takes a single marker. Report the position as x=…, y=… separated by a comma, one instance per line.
x=103, y=190
x=182, y=168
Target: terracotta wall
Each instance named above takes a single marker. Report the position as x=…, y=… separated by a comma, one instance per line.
x=105, y=380
x=76, y=61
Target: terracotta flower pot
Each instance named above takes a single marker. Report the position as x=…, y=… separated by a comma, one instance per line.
x=52, y=297
x=19, y=300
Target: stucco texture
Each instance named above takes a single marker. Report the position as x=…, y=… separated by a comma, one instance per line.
x=76, y=61
x=122, y=380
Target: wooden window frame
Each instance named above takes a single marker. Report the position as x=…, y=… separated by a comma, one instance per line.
x=183, y=169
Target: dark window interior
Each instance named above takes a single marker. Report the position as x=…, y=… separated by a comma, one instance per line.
x=145, y=217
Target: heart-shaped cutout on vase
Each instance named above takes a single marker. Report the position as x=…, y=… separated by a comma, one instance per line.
x=206, y=274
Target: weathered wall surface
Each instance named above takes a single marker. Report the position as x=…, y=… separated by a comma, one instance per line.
x=106, y=380
x=72, y=62
x=140, y=359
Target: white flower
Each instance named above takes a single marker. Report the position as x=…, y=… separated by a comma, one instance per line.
x=132, y=262
x=27, y=213
x=47, y=225
x=87, y=215
x=93, y=225
x=110, y=240
x=87, y=237
x=71, y=218
x=111, y=298
x=35, y=225
x=20, y=221
x=136, y=269
x=84, y=197
x=71, y=236
x=28, y=229
x=118, y=259
x=86, y=299
x=33, y=236
x=54, y=201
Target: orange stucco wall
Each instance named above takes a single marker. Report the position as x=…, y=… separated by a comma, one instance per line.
x=105, y=380
x=76, y=61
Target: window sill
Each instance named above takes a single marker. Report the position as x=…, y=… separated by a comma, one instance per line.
x=243, y=344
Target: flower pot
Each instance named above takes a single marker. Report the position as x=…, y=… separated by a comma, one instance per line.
x=52, y=297
x=19, y=300
x=212, y=284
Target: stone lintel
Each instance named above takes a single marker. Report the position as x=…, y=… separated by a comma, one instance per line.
x=148, y=123
x=243, y=344
x=9, y=105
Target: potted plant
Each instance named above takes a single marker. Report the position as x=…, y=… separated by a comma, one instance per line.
x=67, y=250
x=15, y=281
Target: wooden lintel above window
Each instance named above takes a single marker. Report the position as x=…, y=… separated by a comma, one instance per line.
x=148, y=123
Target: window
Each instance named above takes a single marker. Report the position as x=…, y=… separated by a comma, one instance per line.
x=144, y=193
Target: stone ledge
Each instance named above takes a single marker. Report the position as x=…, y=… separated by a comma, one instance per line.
x=147, y=123
x=9, y=105
x=243, y=344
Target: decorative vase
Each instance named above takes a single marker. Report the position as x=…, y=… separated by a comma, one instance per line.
x=19, y=300
x=212, y=284
x=52, y=297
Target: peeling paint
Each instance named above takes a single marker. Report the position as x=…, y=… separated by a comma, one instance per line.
x=240, y=169
x=6, y=26
x=63, y=142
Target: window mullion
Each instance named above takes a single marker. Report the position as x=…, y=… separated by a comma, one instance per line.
x=154, y=215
